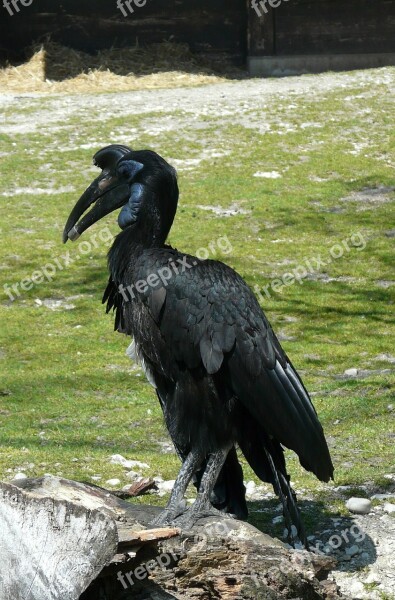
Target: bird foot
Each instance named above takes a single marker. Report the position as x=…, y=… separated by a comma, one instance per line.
x=186, y=517
x=189, y=518
x=167, y=517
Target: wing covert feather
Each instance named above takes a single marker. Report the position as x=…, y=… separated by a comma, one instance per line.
x=207, y=315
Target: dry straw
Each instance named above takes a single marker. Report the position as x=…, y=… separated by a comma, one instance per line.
x=54, y=68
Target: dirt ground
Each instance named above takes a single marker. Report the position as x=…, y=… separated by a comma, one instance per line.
x=221, y=99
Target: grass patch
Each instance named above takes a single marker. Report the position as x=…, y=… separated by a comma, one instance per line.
x=69, y=397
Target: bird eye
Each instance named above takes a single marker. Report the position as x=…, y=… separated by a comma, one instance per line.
x=123, y=170
x=129, y=169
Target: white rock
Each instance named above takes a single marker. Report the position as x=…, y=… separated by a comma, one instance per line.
x=355, y=588
x=166, y=486
x=133, y=475
x=389, y=508
x=137, y=464
x=118, y=459
x=20, y=476
x=251, y=488
x=267, y=174
x=365, y=556
x=388, y=496
x=352, y=550
x=351, y=372
x=113, y=482
x=277, y=520
x=372, y=578
x=298, y=546
x=95, y=477
x=361, y=506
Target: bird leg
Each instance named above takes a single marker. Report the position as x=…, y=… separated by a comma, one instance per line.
x=176, y=504
x=202, y=506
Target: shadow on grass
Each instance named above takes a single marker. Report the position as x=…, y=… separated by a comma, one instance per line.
x=373, y=304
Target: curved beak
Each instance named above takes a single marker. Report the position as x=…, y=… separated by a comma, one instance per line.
x=106, y=193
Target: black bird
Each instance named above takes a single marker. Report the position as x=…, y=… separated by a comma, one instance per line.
x=220, y=373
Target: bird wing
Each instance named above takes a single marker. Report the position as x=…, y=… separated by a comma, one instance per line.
x=114, y=301
x=206, y=314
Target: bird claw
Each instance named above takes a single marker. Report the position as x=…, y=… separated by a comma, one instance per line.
x=189, y=518
x=186, y=518
x=167, y=517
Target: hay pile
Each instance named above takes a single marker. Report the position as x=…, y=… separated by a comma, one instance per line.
x=54, y=68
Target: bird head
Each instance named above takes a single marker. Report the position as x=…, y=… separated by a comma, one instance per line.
x=141, y=183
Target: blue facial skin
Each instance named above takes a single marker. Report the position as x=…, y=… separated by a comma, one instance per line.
x=129, y=168
x=129, y=212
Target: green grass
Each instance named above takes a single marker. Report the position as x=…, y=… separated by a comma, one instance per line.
x=69, y=397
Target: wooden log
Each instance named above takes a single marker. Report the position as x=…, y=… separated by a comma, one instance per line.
x=50, y=549
x=219, y=558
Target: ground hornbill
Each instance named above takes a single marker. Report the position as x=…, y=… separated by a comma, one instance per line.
x=219, y=371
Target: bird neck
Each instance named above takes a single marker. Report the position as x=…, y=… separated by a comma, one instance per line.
x=128, y=247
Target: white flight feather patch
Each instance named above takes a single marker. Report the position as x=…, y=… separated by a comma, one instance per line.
x=133, y=352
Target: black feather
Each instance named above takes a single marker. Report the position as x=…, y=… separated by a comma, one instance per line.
x=220, y=373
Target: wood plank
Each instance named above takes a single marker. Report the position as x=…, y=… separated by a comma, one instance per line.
x=261, y=39
x=206, y=26
x=145, y=536
x=335, y=27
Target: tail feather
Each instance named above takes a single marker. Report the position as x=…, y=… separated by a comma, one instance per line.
x=287, y=496
x=312, y=447
x=266, y=458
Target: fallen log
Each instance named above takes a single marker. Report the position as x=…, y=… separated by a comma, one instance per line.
x=112, y=556
x=50, y=549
